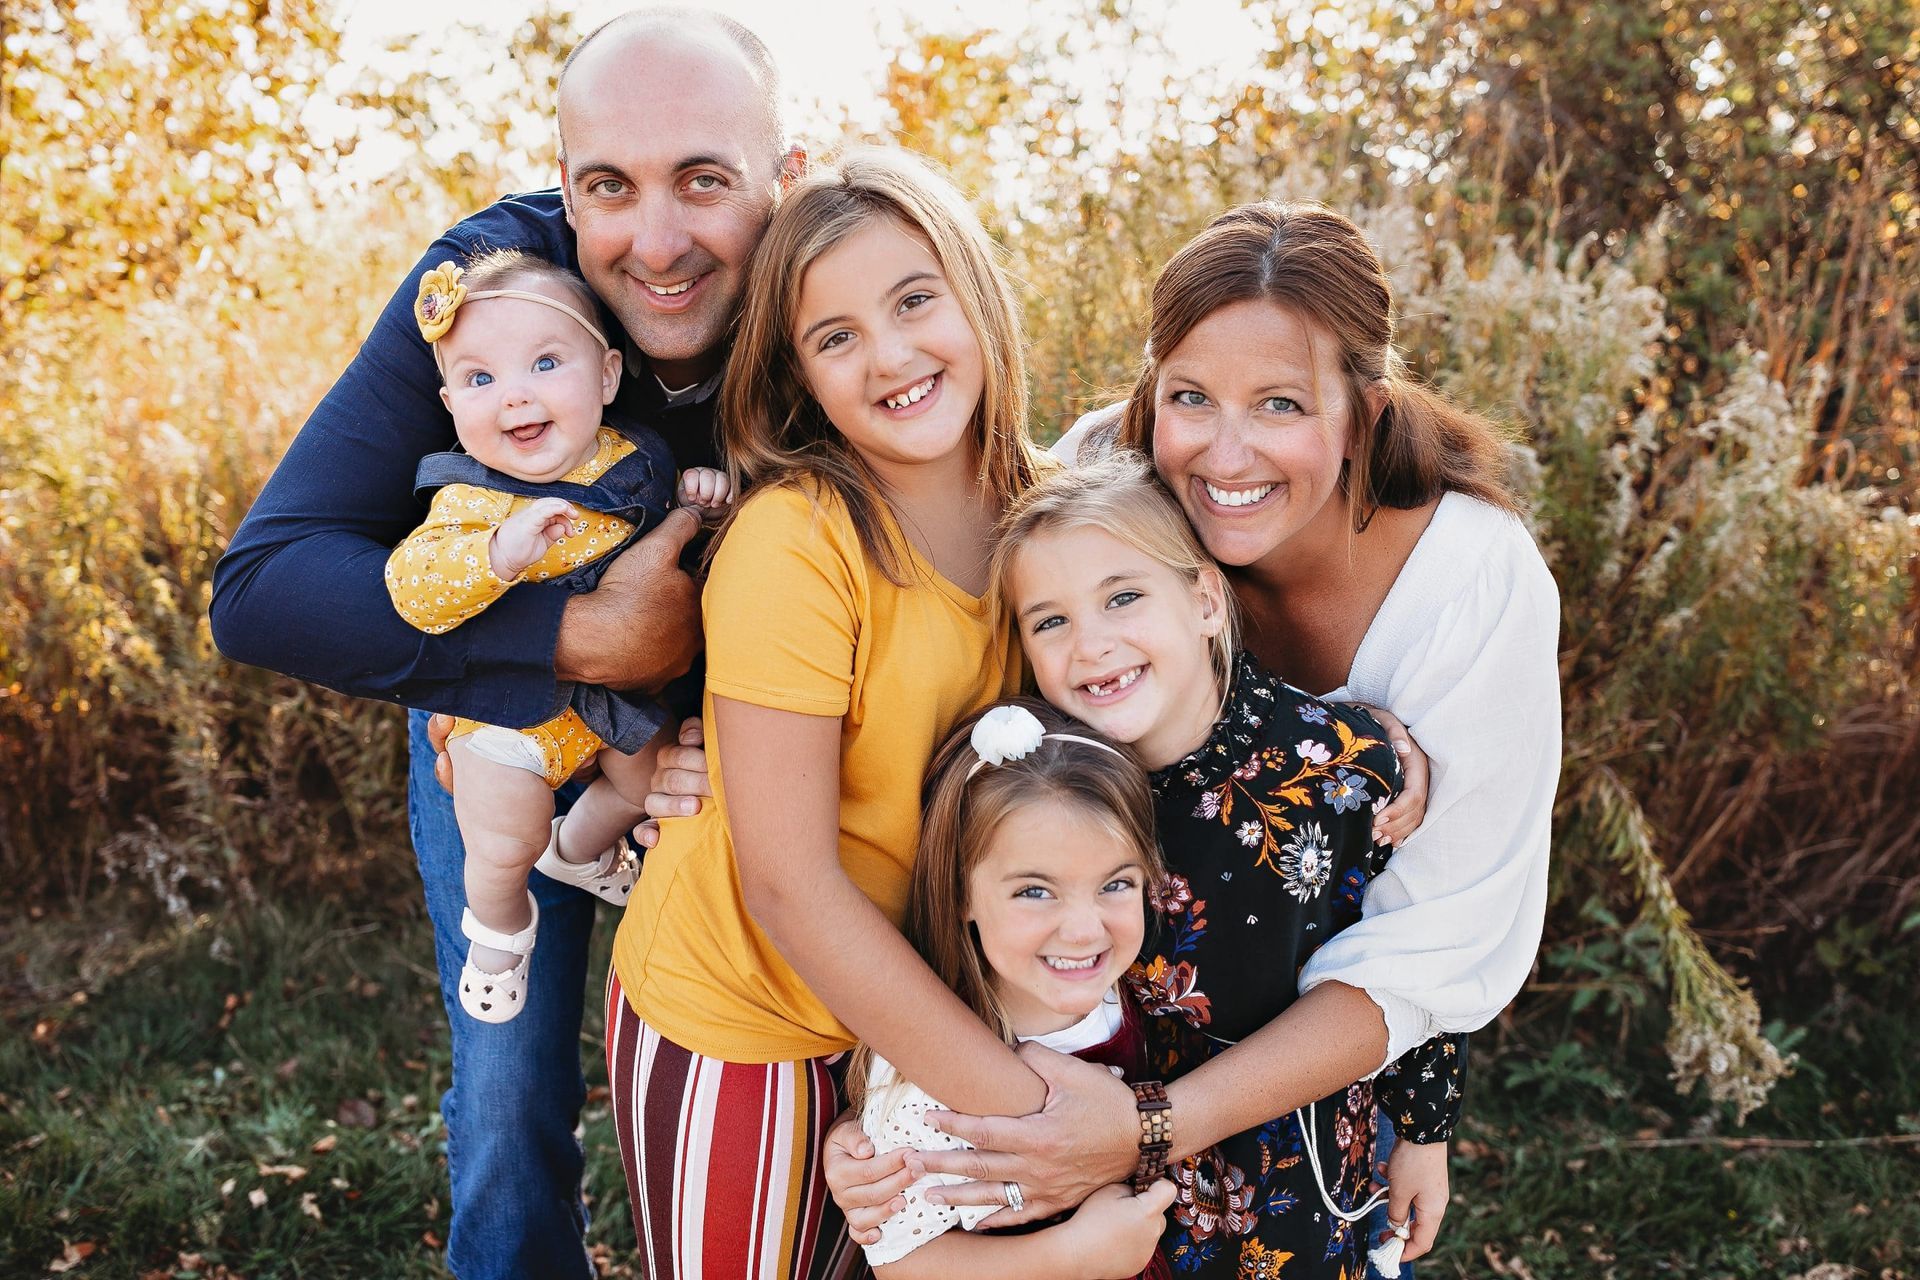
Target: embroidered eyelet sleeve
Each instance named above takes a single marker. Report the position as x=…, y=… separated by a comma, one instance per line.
x=895, y=1116
x=1425, y=1090
x=441, y=574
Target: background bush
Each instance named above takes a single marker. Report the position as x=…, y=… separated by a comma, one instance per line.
x=1676, y=254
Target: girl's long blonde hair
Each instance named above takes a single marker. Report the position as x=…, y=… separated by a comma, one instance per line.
x=1119, y=495
x=773, y=430
x=961, y=810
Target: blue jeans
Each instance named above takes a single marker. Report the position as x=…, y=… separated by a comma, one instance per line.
x=1384, y=1138
x=517, y=1088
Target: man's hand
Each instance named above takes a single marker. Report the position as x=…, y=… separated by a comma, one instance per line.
x=641, y=626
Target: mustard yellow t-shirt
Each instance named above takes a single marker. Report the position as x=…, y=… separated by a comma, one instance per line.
x=798, y=620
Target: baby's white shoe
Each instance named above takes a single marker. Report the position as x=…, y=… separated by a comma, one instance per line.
x=497, y=997
x=610, y=876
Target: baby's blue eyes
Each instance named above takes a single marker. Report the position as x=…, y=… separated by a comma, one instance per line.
x=481, y=378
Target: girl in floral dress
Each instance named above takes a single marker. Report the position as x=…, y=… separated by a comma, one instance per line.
x=1265, y=798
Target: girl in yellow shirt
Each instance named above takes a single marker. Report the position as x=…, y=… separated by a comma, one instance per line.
x=874, y=401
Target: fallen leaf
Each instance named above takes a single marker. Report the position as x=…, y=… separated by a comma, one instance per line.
x=309, y=1205
x=257, y=1198
x=355, y=1113
x=291, y=1172
x=430, y=1240
x=71, y=1256
x=288, y=1069
x=226, y=1189
x=326, y=1143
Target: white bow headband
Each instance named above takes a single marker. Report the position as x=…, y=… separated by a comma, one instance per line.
x=1011, y=733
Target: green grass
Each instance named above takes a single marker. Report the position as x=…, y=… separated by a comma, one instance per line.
x=150, y=1091
x=152, y=1082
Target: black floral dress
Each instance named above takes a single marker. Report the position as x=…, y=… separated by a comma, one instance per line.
x=1267, y=831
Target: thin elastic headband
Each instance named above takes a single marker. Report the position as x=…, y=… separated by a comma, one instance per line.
x=442, y=295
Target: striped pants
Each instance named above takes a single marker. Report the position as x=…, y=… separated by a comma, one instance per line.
x=723, y=1159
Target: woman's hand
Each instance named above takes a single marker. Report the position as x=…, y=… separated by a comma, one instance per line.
x=867, y=1187
x=679, y=781
x=1403, y=816
x=1085, y=1137
x=1417, y=1178
x=1115, y=1232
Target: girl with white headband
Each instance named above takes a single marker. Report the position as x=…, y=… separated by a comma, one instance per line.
x=541, y=490
x=1037, y=858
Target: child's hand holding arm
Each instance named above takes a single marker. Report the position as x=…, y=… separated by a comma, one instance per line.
x=1404, y=813
x=524, y=536
x=707, y=491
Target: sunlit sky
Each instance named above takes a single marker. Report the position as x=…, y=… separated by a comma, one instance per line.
x=831, y=52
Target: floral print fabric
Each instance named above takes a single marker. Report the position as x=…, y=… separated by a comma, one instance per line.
x=1267, y=834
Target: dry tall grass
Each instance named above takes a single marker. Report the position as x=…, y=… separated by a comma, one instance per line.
x=1737, y=566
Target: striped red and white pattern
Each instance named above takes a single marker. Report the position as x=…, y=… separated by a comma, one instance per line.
x=723, y=1159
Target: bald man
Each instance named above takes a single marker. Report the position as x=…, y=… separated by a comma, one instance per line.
x=673, y=152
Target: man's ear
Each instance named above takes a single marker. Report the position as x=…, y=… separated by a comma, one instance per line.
x=793, y=167
x=566, y=192
x=1211, y=588
x=610, y=375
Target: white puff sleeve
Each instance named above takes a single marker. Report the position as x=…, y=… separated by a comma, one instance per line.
x=1465, y=651
x=895, y=1115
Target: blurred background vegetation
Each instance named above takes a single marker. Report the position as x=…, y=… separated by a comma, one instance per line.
x=1676, y=248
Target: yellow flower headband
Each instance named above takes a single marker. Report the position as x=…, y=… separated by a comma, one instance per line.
x=442, y=294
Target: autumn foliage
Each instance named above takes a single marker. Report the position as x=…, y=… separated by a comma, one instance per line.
x=1677, y=255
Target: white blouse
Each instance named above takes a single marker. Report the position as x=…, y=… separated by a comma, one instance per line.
x=1465, y=650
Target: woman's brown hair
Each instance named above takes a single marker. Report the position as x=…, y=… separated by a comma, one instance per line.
x=773, y=430
x=1319, y=265
x=961, y=809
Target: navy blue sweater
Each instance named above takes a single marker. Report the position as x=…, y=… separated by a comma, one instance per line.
x=300, y=589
